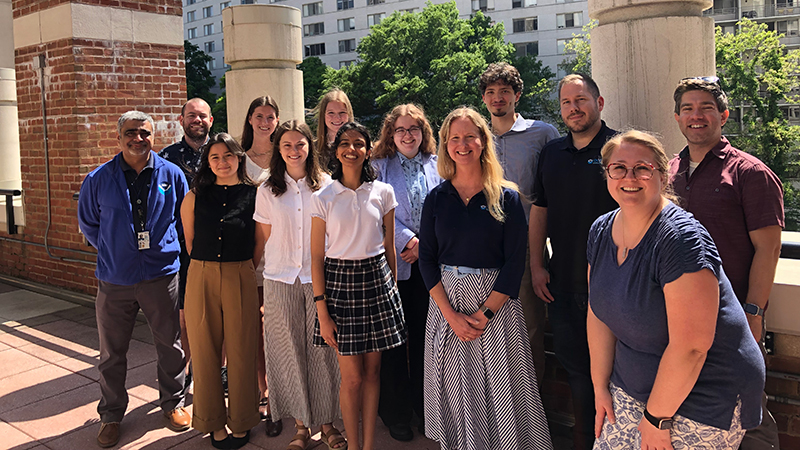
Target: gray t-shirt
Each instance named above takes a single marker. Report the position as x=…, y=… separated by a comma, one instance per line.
x=629, y=299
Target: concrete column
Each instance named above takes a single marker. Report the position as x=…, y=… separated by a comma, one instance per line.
x=640, y=50
x=263, y=45
x=10, y=174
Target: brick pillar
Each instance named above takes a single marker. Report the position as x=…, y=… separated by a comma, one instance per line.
x=98, y=62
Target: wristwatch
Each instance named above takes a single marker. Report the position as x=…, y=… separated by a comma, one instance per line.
x=664, y=423
x=487, y=312
x=753, y=309
x=321, y=297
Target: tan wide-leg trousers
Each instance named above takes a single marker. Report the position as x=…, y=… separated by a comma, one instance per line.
x=222, y=305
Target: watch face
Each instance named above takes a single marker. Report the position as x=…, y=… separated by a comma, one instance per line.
x=665, y=424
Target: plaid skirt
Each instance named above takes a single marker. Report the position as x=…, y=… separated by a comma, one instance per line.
x=364, y=303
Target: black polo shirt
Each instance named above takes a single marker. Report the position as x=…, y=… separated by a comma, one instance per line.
x=138, y=188
x=569, y=182
x=183, y=156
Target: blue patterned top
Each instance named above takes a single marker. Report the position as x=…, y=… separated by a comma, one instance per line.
x=416, y=186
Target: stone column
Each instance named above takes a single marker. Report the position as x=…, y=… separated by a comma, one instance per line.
x=640, y=50
x=10, y=175
x=263, y=45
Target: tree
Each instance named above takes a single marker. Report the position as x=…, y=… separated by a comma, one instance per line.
x=432, y=58
x=314, y=72
x=759, y=75
x=219, y=109
x=579, y=49
x=199, y=80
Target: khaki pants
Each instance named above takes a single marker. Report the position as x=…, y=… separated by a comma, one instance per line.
x=222, y=305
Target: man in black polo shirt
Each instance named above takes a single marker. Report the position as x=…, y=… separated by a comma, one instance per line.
x=196, y=121
x=569, y=193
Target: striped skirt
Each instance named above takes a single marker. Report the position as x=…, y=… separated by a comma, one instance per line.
x=303, y=379
x=364, y=303
x=481, y=395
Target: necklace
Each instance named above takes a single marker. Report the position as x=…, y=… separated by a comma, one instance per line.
x=639, y=236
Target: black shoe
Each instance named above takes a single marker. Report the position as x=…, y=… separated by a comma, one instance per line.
x=223, y=372
x=273, y=428
x=223, y=444
x=263, y=407
x=422, y=427
x=239, y=442
x=401, y=432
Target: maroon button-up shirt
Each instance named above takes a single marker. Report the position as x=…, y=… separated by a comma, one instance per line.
x=731, y=193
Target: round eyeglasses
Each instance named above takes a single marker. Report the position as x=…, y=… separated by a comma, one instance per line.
x=641, y=171
x=411, y=130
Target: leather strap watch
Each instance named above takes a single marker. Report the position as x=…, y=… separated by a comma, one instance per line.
x=753, y=309
x=487, y=312
x=662, y=423
x=321, y=297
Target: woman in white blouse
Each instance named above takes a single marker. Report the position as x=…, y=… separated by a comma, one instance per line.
x=303, y=379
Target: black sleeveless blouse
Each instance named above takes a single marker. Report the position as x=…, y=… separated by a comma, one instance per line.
x=224, y=229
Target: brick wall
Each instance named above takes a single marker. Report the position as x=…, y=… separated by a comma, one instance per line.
x=170, y=7
x=787, y=416
x=88, y=84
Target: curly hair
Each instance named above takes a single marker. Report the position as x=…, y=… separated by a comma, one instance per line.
x=501, y=72
x=386, y=146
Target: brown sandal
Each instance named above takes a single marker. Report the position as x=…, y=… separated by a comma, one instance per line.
x=331, y=443
x=300, y=437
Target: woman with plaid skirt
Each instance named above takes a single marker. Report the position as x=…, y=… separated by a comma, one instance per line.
x=353, y=276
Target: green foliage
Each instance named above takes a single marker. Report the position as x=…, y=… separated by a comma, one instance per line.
x=579, y=50
x=199, y=80
x=219, y=109
x=758, y=74
x=314, y=72
x=432, y=58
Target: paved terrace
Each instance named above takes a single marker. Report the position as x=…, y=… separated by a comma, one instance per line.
x=49, y=388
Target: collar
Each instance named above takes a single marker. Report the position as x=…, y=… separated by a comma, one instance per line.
x=290, y=181
x=185, y=145
x=520, y=124
x=151, y=163
x=597, y=142
x=338, y=187
x=720, y=150
x=404, y=160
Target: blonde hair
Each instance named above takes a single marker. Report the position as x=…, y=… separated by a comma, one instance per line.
x=491, y=170
x=386, y=146
x=334, y=95
x=650, y=142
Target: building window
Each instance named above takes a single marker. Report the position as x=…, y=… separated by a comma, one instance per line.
x=409, y=10
x=787, y=27
x=527, y=49
x=522, y=3
x=349, y=62
x=347, y=46
x=212, y=64
x=344, y=4
x=315, y=49
x=208, y=11
x=374, y=19
x=523, y=25
x=314, y=29
x=561, y=45
x=482, y=5
x=190, y=2
x=224, y=5
x=209, y=46
x=375, y=2
x=208, y=29
x=346, y=24
x=248, y=2
x=569, y=20
x=190, y=16
x=312, y=9
x=191, y=33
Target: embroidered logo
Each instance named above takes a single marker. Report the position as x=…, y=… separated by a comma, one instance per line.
x=594, y=161
x=165, y=188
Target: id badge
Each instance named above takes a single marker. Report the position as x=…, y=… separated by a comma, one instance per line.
x=144, y=240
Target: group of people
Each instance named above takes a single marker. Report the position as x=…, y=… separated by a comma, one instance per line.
x=404, y=277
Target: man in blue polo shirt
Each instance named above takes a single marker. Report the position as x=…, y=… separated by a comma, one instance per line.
x=518, y=142
x=568, y=195
x=128, y=210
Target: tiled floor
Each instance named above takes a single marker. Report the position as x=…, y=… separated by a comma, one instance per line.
x=49, y=389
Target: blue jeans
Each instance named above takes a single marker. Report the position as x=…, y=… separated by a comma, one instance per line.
x=567, y=315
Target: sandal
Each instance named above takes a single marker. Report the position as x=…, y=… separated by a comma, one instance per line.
x=300, y=437
x=333, y=437
x=263, y=408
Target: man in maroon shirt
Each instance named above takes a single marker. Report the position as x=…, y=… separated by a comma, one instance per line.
x=739, y=200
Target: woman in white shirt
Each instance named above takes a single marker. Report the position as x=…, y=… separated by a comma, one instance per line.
x=303, y=379
x=358, y=305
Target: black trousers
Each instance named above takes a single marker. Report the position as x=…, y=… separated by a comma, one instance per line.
x=402, y=368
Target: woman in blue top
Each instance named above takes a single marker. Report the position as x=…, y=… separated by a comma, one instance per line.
x=405, y=158
x=480, y=386
x=673, y=362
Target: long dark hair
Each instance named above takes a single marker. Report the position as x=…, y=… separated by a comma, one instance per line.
x=277, y=165
x=247, y=130
x=205, y=176
x=367, y=172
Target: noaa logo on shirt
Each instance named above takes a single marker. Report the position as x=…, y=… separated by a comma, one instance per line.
x=594, y=161
x=165, y=188
x=483, y=207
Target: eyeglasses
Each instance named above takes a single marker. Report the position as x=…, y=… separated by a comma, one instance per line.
x=144, y=134
x=402, y=131
x=712, y=79
x=641, y=171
